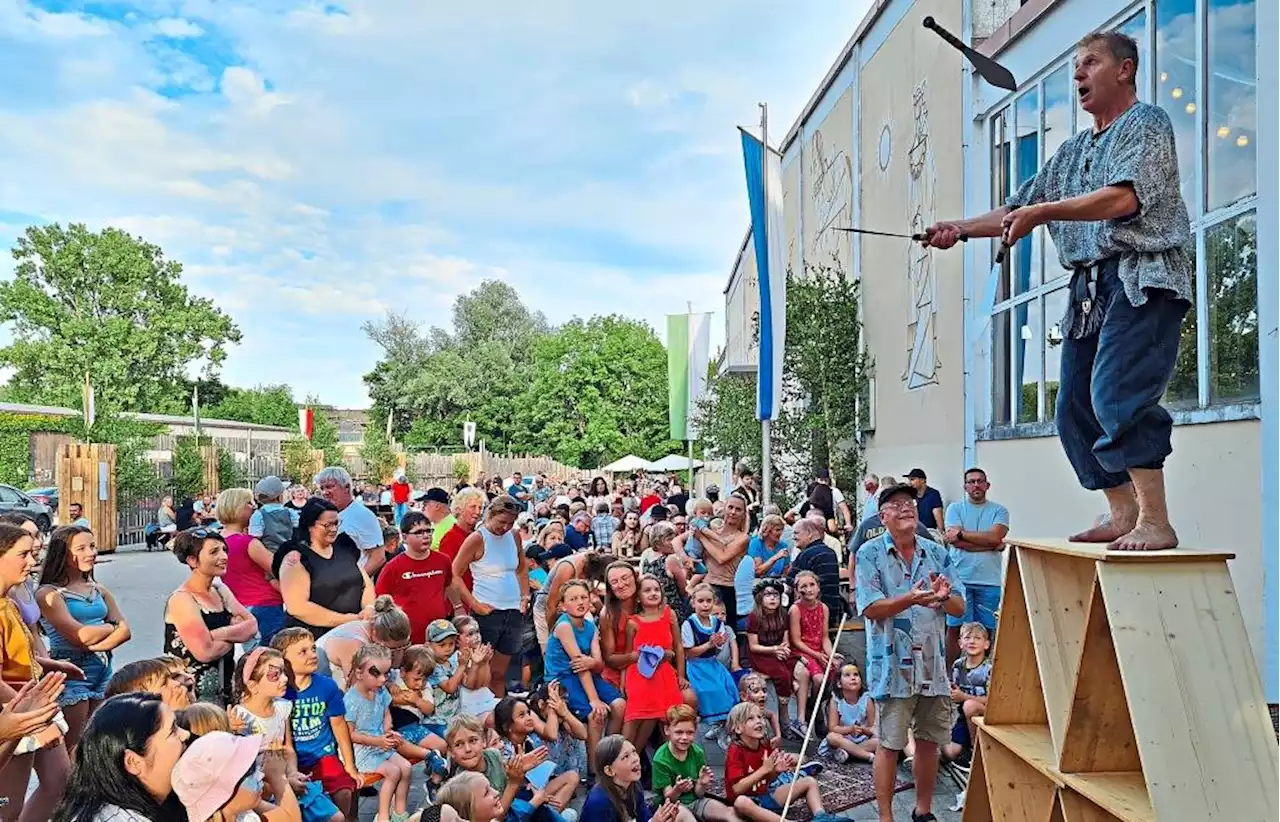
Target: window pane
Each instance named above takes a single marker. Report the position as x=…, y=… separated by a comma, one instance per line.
x=1000, y=369
x=1231, y=260
x=1026, y=256
x=1058, y=94
x=1001, y=168
x=1026, y=349
x=1232, y=115
x=1055, y=305
x=1183, y=388
x=1135, y=27
x=1176, y=67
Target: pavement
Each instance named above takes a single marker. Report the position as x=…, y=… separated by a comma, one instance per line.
x=141, y=583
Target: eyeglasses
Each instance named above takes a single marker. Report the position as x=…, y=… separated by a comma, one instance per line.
x=329, y=526
x=902, y=504
x=420, y=532
x=394, y=648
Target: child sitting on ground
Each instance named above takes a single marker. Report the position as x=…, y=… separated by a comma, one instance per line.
x=680, y=771
x=970, y=676
x=569, y=749
x=754, y=689
x=468, y=753
x=522, y=732
x=758, y=779
x=851, y=720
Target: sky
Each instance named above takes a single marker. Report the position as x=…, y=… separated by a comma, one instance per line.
x=313, y=165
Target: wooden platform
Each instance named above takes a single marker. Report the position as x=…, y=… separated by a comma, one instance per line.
x=1123, y=688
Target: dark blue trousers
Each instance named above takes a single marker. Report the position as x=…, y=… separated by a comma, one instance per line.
x=1109, y=415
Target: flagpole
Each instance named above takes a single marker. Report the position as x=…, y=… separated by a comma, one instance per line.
x=690, y=379
x=766, y=462
x=195, y=408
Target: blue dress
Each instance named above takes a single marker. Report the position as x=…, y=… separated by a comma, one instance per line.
x=367, y=716
x=711, y=680
x=850, y=713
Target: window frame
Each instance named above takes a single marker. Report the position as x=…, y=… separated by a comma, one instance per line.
x=1202, y=221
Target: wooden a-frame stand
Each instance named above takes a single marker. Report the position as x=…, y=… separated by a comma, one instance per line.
x=1123, y=688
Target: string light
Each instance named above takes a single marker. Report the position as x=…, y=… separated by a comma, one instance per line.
x=1191, y=108
x=1224, y=132
x=1242, y=140
x=1176, y=93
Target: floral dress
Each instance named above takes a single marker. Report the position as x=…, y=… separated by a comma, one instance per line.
x=655, y=564
x=213, y=679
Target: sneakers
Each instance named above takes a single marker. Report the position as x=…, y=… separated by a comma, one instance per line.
x=569, y=815
x=959, y=803
x=714, y=732
x=722, y=739
x=840, y=755
x=794, y=730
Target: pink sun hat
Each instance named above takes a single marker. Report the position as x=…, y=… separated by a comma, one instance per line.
x=207, y=775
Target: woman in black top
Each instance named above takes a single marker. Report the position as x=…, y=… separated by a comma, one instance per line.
x=321, y=580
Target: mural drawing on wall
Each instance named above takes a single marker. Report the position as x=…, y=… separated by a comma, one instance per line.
x=922, y=359
x=832, y=172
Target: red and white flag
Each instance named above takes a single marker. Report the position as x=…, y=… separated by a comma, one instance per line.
x=306, y=422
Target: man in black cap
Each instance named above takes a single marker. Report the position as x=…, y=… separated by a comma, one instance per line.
x=928, y=500
x=435, y=504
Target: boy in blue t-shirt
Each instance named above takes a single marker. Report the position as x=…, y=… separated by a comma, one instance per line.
x=321, y=737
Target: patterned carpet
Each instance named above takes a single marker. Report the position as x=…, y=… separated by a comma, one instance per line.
x=843, y=787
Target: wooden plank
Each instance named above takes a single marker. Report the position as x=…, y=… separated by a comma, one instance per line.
x=977, y=802
x=1098, y=551
x=1055, y=814
x=1015, y=696
x=1058, y=589
x=1099, y=735
x=1031, y=743
x=1124, y=795
x=1199, y=716
x=1017, y=791
x=1075, y=808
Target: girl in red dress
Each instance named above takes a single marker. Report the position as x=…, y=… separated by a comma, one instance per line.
x=649, y=697
x=809, y=640
x=769, y=644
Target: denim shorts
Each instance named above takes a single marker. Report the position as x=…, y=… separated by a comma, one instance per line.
x=97, y=673
x=980, y=605
x=315, y=804
x=504, y=630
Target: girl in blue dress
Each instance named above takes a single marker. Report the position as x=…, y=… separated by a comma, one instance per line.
x=703, y=635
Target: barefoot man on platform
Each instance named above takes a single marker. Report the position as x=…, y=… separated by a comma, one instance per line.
x=1111, y=200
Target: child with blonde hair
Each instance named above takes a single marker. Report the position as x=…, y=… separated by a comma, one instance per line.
x=368, y=705
x=680, y=771
x=758, y=779
x=808, y=620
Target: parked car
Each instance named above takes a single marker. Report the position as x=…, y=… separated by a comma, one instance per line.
x=11, y=499
x=47, y=495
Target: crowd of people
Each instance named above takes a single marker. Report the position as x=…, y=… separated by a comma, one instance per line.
x=512, y=645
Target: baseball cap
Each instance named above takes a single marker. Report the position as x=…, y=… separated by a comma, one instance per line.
x=271, y=487
x=916, y=473
x=440, y=629
x=559, y=551
x=534, y=552
x=437, y=495
x=892, y=491
x=823, y=473
x=213, y=766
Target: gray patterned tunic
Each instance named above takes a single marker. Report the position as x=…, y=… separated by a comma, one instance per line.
x=1137, y=149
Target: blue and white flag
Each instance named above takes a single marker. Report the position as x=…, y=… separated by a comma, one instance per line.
x=767, y=234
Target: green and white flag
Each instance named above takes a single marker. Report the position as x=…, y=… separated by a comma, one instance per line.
x=688, y=353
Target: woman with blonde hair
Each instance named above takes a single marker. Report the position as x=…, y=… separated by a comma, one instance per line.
x=248, y=573
x=661, y=562
x=387, y=626
x=467, y=508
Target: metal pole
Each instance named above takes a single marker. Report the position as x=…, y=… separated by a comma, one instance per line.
x=766, y=462
x=691, y=491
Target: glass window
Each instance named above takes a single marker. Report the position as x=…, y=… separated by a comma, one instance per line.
x=1176, y=67
x=1055, y=305
x=1000, y=369
x=1232, y=92
x=1026, y=259
x=1026, y=348
x=1231, y=260
x=1001, y=166
x=1058, y=93
x=1182, y=391
x=1135, y=27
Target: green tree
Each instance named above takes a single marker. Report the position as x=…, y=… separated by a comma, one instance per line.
x=379, y=460
x=264, y=405
x=110, y=304
x=324, y=433
x=299, y=465
x=726, y=418
x=598, y=392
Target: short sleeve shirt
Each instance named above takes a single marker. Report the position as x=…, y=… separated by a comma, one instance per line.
x=1139, y=150
x=446, y=703
x=972, y=681
x=977, y=567
x=313, y=709
x=667, y=770
x=906, y=653
x=361, y=525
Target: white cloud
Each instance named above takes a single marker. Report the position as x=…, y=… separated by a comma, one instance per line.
x=312, y=168
x=177, y=28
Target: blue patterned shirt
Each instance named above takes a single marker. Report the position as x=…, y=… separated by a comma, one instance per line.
x=906, y=653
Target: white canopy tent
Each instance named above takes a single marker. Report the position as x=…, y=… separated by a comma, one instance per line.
x=628, y=463
x=674, y=462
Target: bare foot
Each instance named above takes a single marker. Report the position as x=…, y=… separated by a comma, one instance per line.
x=1107, y=530
x=1147, y=536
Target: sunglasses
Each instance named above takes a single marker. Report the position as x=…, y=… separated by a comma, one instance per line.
x=375, y=671
x=273, y=674
x=204, y=533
